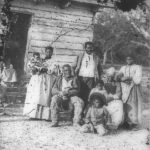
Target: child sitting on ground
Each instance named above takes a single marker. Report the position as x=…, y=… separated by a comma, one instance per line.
x=111, y=90
x=95, y=117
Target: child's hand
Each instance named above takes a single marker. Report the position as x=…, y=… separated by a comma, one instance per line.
x=92, y=127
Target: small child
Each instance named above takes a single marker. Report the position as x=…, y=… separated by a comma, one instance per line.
x=35, y=64
x=95, y=117
x=112, y=92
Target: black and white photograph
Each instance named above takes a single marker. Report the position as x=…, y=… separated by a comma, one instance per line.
x=74, y=74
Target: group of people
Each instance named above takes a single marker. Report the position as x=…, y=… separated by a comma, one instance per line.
x=8, y=76
x=98, y=100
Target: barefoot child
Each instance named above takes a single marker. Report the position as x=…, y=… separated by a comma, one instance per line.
x=111, y=90
x=95, y=117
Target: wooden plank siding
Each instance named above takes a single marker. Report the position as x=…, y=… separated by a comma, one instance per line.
x=65, y=29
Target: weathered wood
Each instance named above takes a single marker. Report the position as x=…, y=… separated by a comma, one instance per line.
x=65, y=58
x=61, y=24
x=64, y=17
x=56, y=44
x=62, y=38
x=57, y=51
x=87, y=33
x=87, y=1
x=50, y=7
x=65, y=29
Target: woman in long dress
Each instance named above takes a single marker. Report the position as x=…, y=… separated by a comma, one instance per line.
x=130, y=76
x=38, y=97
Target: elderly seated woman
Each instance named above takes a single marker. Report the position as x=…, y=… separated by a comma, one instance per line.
x=111, y=90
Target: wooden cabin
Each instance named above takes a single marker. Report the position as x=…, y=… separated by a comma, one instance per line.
x=46, y=23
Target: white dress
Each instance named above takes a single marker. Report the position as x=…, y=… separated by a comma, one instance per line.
x=38, y=97
x=132, y=93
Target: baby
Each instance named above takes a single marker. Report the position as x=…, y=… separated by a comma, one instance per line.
x=95, y=117
x=35, y=64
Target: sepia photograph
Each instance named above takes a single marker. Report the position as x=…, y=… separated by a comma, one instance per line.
x=74, y=74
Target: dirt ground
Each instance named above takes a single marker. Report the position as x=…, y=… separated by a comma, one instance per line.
x=19, y=133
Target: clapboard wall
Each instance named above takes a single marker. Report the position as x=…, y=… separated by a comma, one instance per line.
x=65, y=29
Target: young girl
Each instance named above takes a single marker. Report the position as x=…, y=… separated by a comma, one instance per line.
x=96, y=116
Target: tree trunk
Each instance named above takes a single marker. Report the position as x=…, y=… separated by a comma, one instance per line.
x=105, y=57
x=111, y=54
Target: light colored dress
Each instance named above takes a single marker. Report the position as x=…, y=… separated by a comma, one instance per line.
x=8, y=75
x=114, y=106
x=38, y=97
x=132, y=93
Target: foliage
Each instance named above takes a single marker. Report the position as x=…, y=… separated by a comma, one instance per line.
x=125, y=5
x=6, y=16
x=119, y=34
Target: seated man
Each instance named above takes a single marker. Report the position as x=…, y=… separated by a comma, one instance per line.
x=112, y=93
x=66, y=90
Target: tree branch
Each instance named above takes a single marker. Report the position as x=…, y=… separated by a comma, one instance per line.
x=65, y=33
x=141, y=44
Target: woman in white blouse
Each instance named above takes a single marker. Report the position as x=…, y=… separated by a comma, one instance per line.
x=130, y=76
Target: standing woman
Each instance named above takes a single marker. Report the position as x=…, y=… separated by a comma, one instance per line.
x=130, y=76
x=38, y=97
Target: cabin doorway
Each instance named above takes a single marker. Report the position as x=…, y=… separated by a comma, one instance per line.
x=16, y=46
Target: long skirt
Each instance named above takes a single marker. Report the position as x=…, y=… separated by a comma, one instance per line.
x=133, y=106
x=115, y=110
x=38, y=97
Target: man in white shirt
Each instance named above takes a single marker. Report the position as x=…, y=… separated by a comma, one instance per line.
x=89, y=70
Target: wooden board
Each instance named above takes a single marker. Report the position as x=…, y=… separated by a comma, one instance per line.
x=60, y=38
x=57, y=51
x=87, y=33
x=56, y=44
x=60, y=24
x=50, y=6
x=64, y=17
